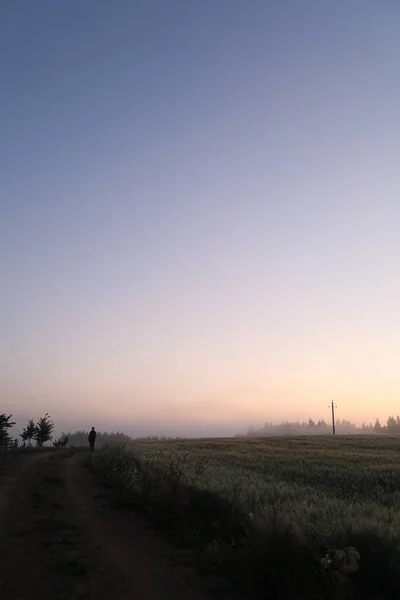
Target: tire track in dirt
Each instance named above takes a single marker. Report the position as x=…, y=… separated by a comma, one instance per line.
x=60, y=541
x=43, y=554
x=20, y=552
x=11, y=480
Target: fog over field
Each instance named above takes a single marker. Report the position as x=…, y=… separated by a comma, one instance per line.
x=200, y=213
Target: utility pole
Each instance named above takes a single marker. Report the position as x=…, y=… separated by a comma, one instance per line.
x=333, y=417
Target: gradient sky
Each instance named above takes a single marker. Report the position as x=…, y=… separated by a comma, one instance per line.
x=200, y=209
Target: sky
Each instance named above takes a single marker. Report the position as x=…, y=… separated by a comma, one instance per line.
x=199, y=211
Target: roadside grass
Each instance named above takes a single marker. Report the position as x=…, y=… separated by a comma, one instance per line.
x=294, y=518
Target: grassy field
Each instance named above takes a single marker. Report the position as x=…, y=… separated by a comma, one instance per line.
x=285, y=518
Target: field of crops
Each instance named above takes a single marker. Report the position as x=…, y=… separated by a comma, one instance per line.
x=281, y=517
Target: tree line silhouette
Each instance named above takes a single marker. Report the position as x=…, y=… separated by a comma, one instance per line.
x=80, y=438
x=39, y=432
x=321, y=427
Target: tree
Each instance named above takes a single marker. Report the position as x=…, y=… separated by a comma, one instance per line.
x=62, y=442
x=391, y=425
x=43, y=430
x=28, y=433
x=377, y=426
x=5, y=424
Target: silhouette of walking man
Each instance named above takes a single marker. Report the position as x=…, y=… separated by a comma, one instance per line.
x=92, y=439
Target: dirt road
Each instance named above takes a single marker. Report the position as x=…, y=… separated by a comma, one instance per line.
x=59, y=540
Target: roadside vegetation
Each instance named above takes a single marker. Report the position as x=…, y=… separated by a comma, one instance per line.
x=282, y=518
x=40, y=432
x=34, y=433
